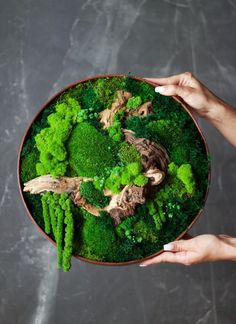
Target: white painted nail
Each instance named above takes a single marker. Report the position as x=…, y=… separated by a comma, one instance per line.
x=168, y=247
x=142, y=265
x=160, y=89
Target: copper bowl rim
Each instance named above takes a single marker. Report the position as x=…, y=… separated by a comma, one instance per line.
x=50, y=100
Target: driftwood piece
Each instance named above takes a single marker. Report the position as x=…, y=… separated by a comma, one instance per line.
x=54, y=184
x=141, y=111
x=106, y=116
x=59, y=185
x=123, y=204
x=153, y=155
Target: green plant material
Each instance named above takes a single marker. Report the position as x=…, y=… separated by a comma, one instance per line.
x=138, y=125
x=86, y=114
x=136, y=229
x=160, y=205
x=52, y=202
x=69, y=235
x=115, y=130
x=179, y=153
x=88, y=97
x=46, y=213
x=141, y=180
x=59, y=234
x=134, y=102
x=140, y=88
x=168, y=132
x=51, y=140
x=98, y=237
x=134, y=168
x=91, y=153
x=125, y=175
x=99, y=182
x=106, y=89
x=113, y=182
x=185, y=174
x=28, y=170
x=172, y=169
x=93, y=195
x=128, y=153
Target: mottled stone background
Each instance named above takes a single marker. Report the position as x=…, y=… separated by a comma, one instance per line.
x=47, y=44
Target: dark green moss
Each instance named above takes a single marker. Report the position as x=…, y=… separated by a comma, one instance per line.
x=93, y=195
x=99, y=238
x=28, y=163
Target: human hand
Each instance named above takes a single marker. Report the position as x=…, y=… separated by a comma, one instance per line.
x=198, y=98
x=202, y=248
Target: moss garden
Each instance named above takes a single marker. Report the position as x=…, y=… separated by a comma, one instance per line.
x=111, y=170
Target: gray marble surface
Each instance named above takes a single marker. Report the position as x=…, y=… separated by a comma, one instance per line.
x=46, y=45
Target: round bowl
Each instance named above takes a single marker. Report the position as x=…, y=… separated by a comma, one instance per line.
x=26, y=133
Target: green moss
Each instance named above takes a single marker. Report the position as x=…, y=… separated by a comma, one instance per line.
x=51, y=140
x=106, y=89
x=93, y=195
x=46, y=213
x=168, y=132
x=134, y=168
x=91, y=152
x=125, y=175
x=134, y=102
x=137, y=230
x=115, y=130
x=28, y=162
x=185, y=174
x=99, y=238
x=69, y=236
x=141, y=180
x=128, y=153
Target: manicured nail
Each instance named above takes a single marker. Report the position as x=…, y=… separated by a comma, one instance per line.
x=142, y=265
x=160, y=89
x=168, y=247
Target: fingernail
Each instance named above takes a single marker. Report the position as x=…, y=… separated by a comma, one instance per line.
x=168, y=247
x=160, y=89
x=142, y=265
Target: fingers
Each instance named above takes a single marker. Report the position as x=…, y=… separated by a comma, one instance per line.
x=174, y=79
x=175, y=90
x=179, y=257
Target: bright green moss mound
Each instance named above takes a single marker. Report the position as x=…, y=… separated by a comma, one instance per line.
x=50, y=141
x=67, y=139
x=91, y=153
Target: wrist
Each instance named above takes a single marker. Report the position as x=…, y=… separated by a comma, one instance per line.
x=227, y=247
x=217, y=110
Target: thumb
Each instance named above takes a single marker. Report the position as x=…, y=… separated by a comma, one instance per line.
x=174, y=90
x=177, y=246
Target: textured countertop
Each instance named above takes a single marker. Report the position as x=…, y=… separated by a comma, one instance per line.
x=46, y=45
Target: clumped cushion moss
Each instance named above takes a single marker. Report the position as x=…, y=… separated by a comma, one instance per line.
x=134, y=102
x=91, y=153
x=128, y=153
x=28, y=162
x=93, y=195
x=88, y=150
x=98, y=237
x=50, y=141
